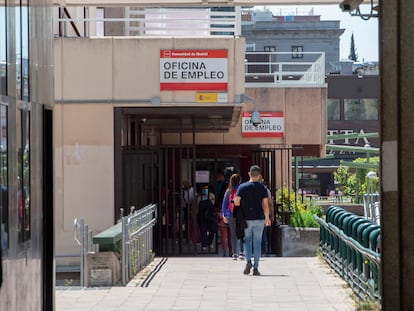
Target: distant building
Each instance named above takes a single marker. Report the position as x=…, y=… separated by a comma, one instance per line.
x=352, y=107
x=295, y=34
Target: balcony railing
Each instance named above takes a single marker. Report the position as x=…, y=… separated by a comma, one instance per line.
x=284, y=68
x=268, y=68
x=151, y=22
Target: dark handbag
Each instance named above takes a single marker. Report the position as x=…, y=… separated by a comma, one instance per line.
x=241, y=223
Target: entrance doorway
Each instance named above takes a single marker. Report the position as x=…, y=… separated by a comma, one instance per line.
x=148, y=171
x=156, y=175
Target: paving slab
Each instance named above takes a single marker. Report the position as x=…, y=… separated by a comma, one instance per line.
x=217, y=283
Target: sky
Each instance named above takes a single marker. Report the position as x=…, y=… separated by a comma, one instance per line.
x=365, y=31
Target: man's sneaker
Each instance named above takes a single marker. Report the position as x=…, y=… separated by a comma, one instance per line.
x=248, y=268
x=234, y=256
x=255, y=271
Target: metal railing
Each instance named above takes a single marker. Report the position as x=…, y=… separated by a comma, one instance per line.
x=372, y=207
x=350, y=244
x=137, y=240
x=181, y=22
x=293, y=68
x=83, y=236
x=139, y=21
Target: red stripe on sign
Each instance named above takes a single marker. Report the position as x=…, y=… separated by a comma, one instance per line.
x=193, y=86
x=193, y=53
x=262, y=134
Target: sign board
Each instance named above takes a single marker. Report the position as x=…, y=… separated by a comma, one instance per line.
x=273, y=125
x=193, y=70
x=202, y=177
x=211, y=98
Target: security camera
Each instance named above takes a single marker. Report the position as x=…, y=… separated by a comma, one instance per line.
x=256, y=120
x=349, y=5
x=143, y=120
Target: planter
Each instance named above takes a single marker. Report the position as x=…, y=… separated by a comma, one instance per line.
x=297, y=242
x=104, y=269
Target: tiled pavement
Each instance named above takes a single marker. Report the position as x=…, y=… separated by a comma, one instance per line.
x=217, y=283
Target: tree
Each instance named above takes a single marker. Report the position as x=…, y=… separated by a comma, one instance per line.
x=352, y=52
x=355, y=183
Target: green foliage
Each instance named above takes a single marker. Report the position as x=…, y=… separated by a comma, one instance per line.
x=367, y=305
x=303, y=219
x=68, y=282
x=302, y=212
x=341, y=175
x=287, y=198
x=352, y=52
x=356, y=183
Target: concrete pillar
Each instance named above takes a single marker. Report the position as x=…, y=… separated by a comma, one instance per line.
x=397, y=163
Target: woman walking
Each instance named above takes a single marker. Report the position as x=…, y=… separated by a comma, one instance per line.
x=229, y=217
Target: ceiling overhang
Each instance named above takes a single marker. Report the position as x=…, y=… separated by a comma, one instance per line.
x=206, y=118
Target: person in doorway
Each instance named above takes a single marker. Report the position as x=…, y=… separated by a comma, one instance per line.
x=252, y=199
x=229, y=216
x=222, y=184
x=205, y=218
x=187, y=200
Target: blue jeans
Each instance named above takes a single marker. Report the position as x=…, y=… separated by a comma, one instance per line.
x=253, y=233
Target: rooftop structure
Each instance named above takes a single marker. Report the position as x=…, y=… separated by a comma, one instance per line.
x=295, y=34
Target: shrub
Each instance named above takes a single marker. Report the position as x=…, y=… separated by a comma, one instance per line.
x=302, y=212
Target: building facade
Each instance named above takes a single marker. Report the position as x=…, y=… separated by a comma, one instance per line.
x=152, y=133
x=149, y=134
x=26, y=102
x=293, y=34
x=352, y=108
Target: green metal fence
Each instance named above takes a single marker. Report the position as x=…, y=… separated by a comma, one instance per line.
x=351, y=245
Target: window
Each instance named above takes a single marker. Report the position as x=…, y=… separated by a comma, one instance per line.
x=221, y=17
x=269, y=48
x=21, y=28
x=18, y=56
x=25, y=53
x=100, y=27
x=361, y=109
x=3, y=48
x=334, y=112
x=4, y=208
x=297, y=51
x=24, y=175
